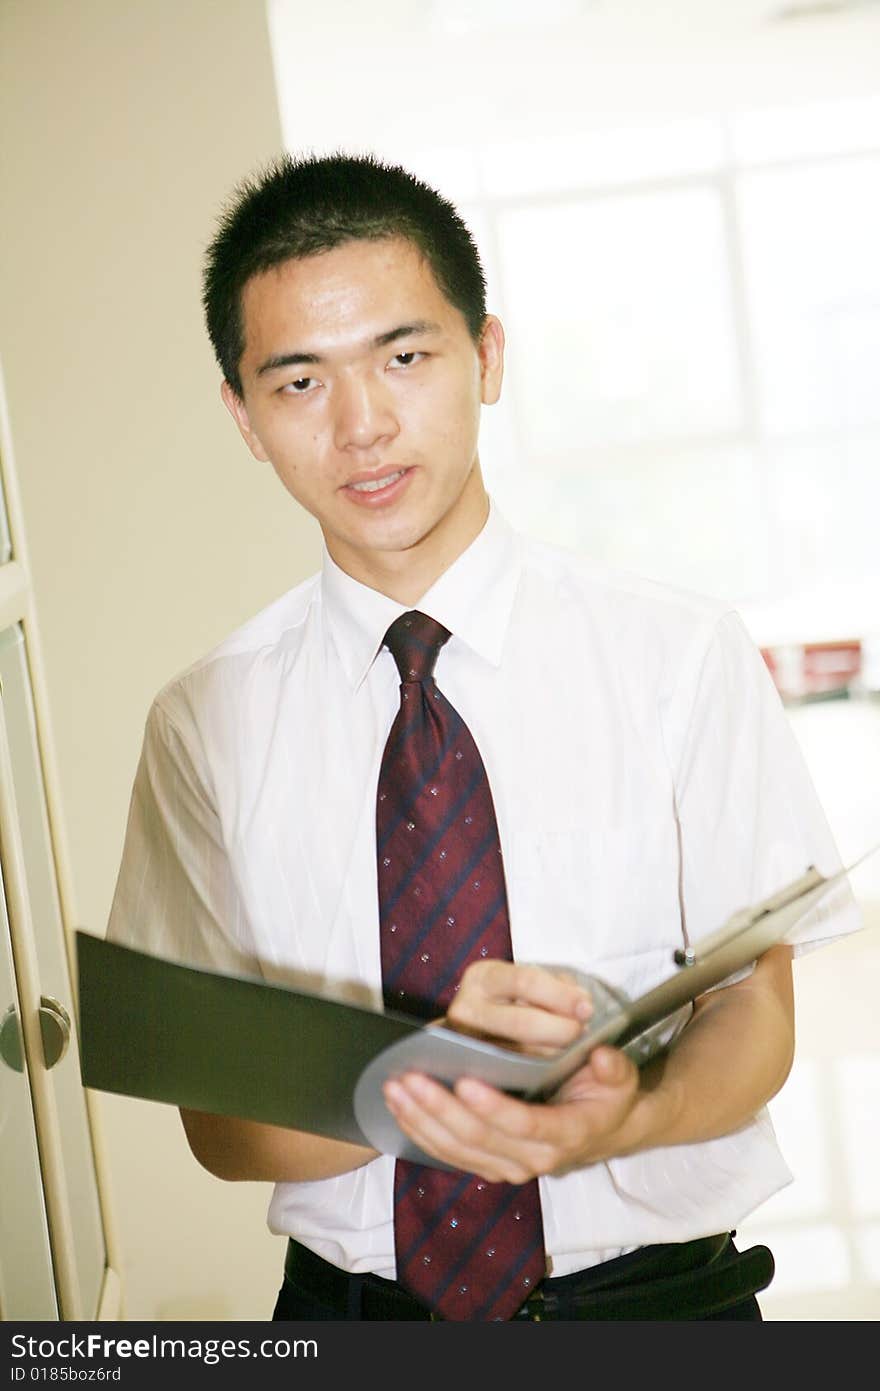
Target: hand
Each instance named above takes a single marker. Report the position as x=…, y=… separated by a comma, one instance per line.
x=483, y=1131
x=532, y=1007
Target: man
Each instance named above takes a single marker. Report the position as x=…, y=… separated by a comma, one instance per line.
x=627, y=754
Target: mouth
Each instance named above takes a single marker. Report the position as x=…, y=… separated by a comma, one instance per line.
x=374, y=490
x=376, y=485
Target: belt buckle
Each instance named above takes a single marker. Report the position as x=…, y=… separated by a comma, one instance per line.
x=535, y=1306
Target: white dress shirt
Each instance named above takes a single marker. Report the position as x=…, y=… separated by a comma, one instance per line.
x=646, y=784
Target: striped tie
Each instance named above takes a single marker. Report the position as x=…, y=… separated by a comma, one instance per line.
x=469, y=1249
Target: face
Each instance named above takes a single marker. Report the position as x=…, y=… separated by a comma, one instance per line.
x=362, y=386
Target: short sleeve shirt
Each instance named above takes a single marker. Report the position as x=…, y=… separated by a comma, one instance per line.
x=646, y=782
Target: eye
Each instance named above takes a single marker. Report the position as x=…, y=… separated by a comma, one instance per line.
x=299, y=387
x=405, y=359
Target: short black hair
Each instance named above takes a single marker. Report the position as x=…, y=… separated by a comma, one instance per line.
x=297, y=207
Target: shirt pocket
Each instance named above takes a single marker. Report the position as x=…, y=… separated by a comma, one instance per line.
x=598, y=898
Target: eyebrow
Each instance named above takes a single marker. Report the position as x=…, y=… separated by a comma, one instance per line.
x=382, y=340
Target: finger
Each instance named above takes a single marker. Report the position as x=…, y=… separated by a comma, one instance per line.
x=612, y=1066
x=524, y=1004
x=508, y=981
x=522, y=1025
x=546, y=1131
x=434, y=1138
x=608, y=1071
x=438, y=1122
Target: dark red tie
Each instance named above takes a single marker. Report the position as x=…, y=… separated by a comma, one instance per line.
x=467, y=1248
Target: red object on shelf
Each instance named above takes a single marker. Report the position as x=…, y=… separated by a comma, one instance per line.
x=802, y=670
x=829, y=666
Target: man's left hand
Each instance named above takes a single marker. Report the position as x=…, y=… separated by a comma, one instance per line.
x=481, y=1130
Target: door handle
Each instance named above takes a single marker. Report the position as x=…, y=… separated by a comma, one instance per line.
x=11, y=1050
x=54, y=1030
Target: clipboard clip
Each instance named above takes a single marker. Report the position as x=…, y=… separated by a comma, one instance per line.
x=746, y=918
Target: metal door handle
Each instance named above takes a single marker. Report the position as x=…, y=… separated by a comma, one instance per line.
x=11, y=1050
x=54, y=1029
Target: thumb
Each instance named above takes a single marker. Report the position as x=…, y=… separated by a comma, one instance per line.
x=610, y=1066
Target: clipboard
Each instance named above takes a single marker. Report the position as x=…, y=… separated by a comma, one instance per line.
x=237, y=1046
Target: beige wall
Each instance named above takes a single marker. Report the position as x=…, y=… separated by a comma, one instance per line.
x=151, y=530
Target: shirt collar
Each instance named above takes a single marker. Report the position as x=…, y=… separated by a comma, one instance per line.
x=473, y=599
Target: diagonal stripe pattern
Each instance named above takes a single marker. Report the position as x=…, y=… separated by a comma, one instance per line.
x=469, y=1249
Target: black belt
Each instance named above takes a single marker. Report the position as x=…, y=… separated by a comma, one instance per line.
x=682, y=1280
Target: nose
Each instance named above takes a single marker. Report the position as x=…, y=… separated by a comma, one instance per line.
x=364, y=414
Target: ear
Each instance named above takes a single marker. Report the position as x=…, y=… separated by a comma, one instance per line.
x=237, y=409
x=491, y=354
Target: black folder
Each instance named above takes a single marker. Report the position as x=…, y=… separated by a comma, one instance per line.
x=237, y=1046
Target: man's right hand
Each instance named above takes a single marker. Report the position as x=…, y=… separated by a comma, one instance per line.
x=534, y=1008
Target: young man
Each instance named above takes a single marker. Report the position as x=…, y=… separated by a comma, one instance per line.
x=623, y=746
